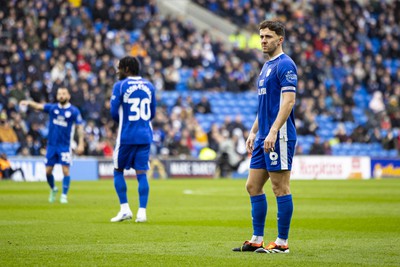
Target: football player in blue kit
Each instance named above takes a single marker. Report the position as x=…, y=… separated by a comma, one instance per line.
x=272, y=140
x=133, y=106
x=63, y=117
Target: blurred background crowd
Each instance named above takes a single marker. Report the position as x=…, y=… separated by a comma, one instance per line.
x=347, y=53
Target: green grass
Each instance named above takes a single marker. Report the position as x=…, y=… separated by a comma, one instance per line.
x=335, y=223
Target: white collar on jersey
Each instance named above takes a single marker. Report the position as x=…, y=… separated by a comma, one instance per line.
x=134, y=77
x=65, y=106
x=275, y=57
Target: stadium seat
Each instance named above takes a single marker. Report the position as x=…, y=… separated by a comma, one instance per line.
x=325, y=134
x=393, y=153
x=309, y=139
x=349, y=126
x=10, y=149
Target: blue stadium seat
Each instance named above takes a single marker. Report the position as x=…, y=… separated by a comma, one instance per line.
x=331, y=126
x=134, y=36
x=325, y=134
x=393, y=153
x=181, y=87
x=10, y=149
x=306, y=147
x=349, y=126
x=206, y=126
x=98, y=25
x=376, y=146
x=342, y=153
x=309, y=139
x=322, y=119
x=240, y=102
x=376, y=44
x=335, y=150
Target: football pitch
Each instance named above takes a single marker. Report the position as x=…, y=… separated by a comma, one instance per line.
x=193, y=222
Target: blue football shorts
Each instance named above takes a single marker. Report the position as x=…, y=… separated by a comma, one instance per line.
x=132, y=156
x=278, y=160
x=58, y=155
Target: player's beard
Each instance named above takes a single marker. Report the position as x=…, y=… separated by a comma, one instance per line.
x=62, y=101
x=270, y=49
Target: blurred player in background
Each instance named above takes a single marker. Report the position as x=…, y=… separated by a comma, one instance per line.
x=6, y=170
x=62, y=120
x=133, y=106
x=273, y=148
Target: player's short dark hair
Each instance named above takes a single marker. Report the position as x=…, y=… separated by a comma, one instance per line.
x=65, y=88
x=272, y=25
x=130, y=63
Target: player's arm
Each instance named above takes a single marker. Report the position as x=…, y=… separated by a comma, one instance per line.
x=79, y=131
x=81, y=138
x=115, y=102
x=252, y=136
x=32, y=104
x=288, y=101
x=153, y=104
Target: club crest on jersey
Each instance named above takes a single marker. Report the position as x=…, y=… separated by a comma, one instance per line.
x=68, y=114
x=268, y=73
x=261, y=82
x=291, y=76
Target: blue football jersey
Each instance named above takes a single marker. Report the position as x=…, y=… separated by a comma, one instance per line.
x=278, y=75
x=133, y=105
x=62, y=122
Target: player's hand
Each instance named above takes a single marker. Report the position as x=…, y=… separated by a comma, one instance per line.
x=24, y=102
x=269, y=142
x=250, y=142
x=79, y=150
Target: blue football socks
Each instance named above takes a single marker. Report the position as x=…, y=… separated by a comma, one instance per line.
x=143, y=190
x=66, y=182
x=50, y=180
x=258, y=213
x=120, y=186
x=285, y=211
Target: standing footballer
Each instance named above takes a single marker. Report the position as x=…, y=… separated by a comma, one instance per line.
x=273, y=147
x=62, y=120
x=133, y=106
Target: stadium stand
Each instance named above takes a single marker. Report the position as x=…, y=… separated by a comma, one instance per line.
x=345, y=52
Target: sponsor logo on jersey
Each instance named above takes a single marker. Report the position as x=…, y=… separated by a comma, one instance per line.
x=291, y=76
x=273, y=156
x=60, y=122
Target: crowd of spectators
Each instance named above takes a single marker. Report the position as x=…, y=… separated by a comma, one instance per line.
x=342, y=49
x=348, y=59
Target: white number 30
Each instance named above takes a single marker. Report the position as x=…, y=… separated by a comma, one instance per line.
x=140, y=109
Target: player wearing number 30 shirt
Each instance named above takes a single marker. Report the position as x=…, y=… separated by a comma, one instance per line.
x=133, y=106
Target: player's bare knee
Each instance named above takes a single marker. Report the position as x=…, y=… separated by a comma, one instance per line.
x=280, y=190
x=253, y=189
